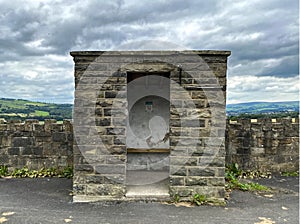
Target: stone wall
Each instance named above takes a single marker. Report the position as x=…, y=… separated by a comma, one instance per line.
x=257, y=144
x=36, y=145
x=263, y=144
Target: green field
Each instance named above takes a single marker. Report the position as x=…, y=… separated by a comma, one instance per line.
x=263, y=109
x=25, y=109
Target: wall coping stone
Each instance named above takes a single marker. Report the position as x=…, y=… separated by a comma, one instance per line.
x=152, y=53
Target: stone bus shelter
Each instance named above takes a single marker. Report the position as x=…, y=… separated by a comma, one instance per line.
x=149, y=125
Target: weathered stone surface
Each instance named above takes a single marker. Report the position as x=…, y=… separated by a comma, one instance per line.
x=22, y=141
x=181, y=191
x=201, y=171
x=198, y=181
x=37, y=145
x=178, y=170
x=14, y=151
x=103, y=121
x=183, y=161
x=84, y=168
x=79, y=189
x=59, y=137
x=258, y=143
x=111, y=169
x=177, y=181
x=105, y=189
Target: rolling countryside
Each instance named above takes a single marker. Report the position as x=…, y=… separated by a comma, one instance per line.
x=24, y=109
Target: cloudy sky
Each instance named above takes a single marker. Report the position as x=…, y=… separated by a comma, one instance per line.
x=37, y=36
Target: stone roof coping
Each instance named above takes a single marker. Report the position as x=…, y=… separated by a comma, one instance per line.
x=116, y=53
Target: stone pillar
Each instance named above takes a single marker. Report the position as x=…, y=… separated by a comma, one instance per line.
x=197, y=121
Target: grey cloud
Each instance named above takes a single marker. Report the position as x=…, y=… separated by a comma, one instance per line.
x=287, y=67
x=265, y=88
x=255, y=31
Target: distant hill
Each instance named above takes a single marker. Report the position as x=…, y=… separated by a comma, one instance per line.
x=25, y=109
x=288, y=107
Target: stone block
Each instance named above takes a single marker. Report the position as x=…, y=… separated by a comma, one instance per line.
x=110, y=94
x=22, y=141
x=257, y=151
x=198, y=181
x=217, y=181
x=70, y=137
x=115, y=131
x=177, y=181
x=201, y=171
x=179, y=151
x=57, y=128
x=103, y=121
x=79, y=189
x=114, y=179
x=192, y=123
x=118, y=121
x=4, y=159
x=26, y=151
x=14, y=151
x=212, y=161
x=37, y=151
x=116, y=150
x=48, y=124
x=181, y=191
x=84, y=168
x=94, y=159
x=178, y=170
x=119, y=140
x=105, y=190
x=110, y=169
x=115, y=159
x=3, y=127
x=180, y=161
x=42, y=134
x=59, y=137
x=94, y=179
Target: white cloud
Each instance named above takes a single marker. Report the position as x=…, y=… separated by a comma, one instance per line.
x=36, y=37
x=264, y=88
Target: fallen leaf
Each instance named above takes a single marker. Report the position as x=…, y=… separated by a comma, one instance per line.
x=3, y=219
x=68, y=220
x=7, y=213
x=265, y=220
x=185, y=204
x=284, y=208
x=269, y=195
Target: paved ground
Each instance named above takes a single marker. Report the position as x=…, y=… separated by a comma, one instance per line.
x=48, y=201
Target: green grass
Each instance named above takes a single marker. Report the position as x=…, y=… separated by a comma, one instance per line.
x=12, y=109
x=41, y=113
x=35, y=104
x=66, y=172
x=232, y=177
x=290, y=174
